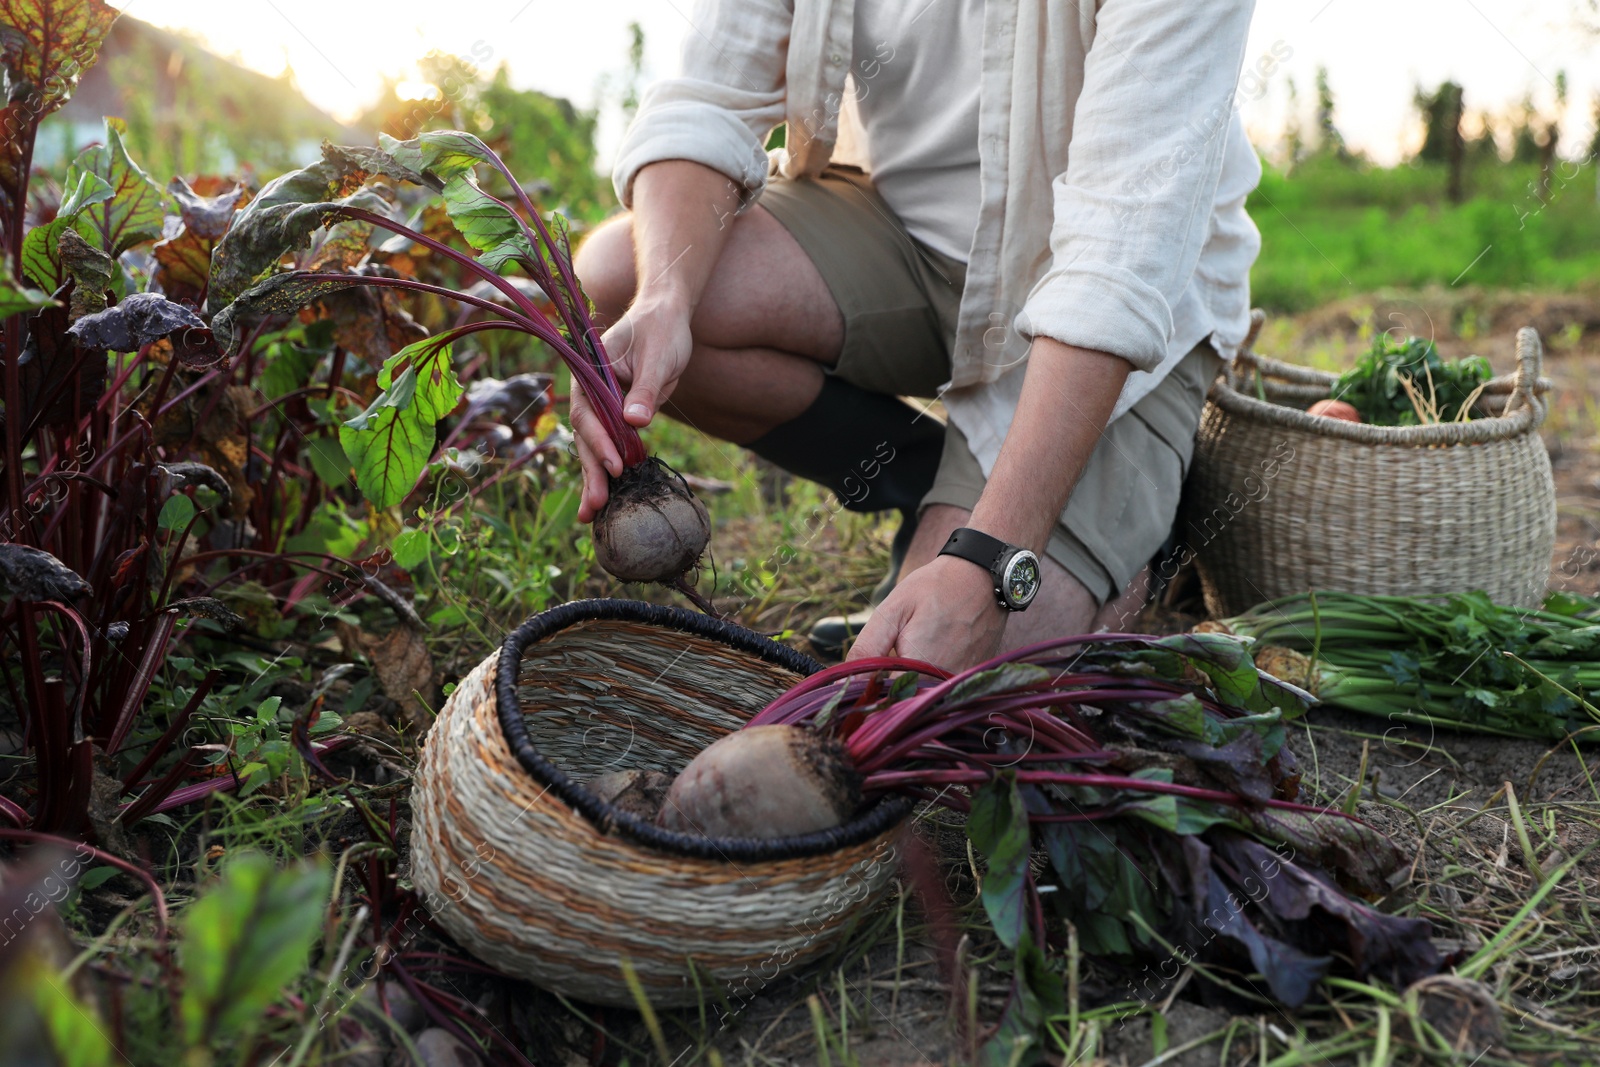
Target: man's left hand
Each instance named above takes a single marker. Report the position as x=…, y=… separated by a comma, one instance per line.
x=944, y=613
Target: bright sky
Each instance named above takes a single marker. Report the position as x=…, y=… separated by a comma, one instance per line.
x=1376, y=51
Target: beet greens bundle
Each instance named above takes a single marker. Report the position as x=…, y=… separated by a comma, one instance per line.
x=1149, y=775
x=1458, y=661
x=652, y=528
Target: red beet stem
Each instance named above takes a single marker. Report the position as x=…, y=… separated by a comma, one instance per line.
x=783, y=708
x=927, y=777
x=871, y=756
x=877, y=741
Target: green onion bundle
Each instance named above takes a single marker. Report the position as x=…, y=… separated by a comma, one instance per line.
x=1459, y=661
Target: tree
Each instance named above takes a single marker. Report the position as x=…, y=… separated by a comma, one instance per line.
x=630, y=89
x=1485, y=147
x=1524, y=133
x=1594, y=144
x=1294, y=137
x=1442, y=140
x=1331, y=140
x=1552, y=137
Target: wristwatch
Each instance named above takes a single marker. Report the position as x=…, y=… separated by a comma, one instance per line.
x=1015, y=570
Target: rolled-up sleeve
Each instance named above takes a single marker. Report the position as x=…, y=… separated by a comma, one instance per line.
x=727, y=97
x=1133, y=209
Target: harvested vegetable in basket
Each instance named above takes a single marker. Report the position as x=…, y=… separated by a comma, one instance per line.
x=1151, y=772
x=1459, y=661
x=1405, y=383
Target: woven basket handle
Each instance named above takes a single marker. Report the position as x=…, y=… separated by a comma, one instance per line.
x=1525, y=387
x=1258, y=318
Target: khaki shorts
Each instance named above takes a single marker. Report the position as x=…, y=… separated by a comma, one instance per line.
x=900, y=299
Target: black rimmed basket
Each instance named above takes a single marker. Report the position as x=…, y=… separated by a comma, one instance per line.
x=538, y=877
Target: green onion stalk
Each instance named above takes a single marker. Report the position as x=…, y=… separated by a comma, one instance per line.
x=1458, y=661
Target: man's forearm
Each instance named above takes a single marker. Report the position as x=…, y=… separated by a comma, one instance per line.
x=682, y=213
x=1067, y=399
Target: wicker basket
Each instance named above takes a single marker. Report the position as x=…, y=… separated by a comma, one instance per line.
x=539, y=878
x=1282, y=502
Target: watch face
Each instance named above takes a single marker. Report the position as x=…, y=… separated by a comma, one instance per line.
x=1021, y=582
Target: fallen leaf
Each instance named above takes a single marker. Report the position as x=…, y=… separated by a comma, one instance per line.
x=403, y=666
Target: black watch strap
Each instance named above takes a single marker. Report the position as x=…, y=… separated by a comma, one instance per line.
x=976, y=546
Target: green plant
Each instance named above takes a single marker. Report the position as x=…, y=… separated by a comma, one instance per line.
x=1459, y=661
x=90, y=538
x=242, y=942
x=152, y=499
x=1320, y=242
x=1405, y=383
x=651, y=527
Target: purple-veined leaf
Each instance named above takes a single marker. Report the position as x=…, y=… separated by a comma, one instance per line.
x=134, y=212
x=281, y=294
x=290, y=208
x=205, y=216
x=15, y=298
x=41, y=252
x=183, y=259
x=444, y=154
x=261, y=236
x=45, y=48
x=389, y=443
x=1290, y=972
x=48, y=44
x=1392, y=946
x=488, y=224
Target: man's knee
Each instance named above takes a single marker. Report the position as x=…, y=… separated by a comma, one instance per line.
x=604, y=263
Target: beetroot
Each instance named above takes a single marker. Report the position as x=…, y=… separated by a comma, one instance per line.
x=636, y=791
x=652, y=528
x=764, y=782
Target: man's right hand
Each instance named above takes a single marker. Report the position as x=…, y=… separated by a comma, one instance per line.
x=681, y=212
x=649, y=349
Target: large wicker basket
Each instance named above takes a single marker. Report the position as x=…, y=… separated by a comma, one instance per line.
x=539, y=878
x=1282, y=502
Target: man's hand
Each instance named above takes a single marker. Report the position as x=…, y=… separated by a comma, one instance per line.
x=944, y=612
x=649, y=348
x=679, y=226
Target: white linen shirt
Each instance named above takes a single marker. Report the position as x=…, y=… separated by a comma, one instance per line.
x=1114, y=169
x=914, y=83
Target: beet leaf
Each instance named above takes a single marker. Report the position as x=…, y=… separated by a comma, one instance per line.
x=390, y=442
x=134, y=212
x=16, y=297
x=41, y=258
